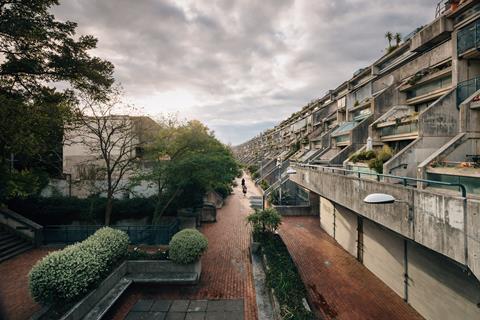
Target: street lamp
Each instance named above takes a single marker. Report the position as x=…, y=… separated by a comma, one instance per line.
x=383, y=198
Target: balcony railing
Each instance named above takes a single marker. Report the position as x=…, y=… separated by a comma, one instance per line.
x=466, y=88
x=411, y=127
x=343, y=138
x=468, y=37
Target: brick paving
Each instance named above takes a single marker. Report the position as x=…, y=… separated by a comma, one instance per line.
x=226, y=267
x=338, y=286
x=15, y=300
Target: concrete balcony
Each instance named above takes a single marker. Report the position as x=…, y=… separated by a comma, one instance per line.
x=446, y=223
x=436, y=32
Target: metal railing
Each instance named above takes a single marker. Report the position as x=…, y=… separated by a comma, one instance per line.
x=379, y=176
x=147, y=234
x=466, y=88
x=468, y=37
x=22, y=226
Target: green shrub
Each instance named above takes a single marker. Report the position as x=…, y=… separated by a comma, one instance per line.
x=264, y=221
x=362, y=156
x=187, y=246
x=282, y=276
x=64, y=210
x=376, y=164
x=264, y=184
x=68, y=274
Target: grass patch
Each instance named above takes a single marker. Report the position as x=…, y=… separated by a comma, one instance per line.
x=282, y=276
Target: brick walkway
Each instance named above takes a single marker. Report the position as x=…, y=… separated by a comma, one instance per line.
x=226, y=267
x=15, y=300
x=338, y=285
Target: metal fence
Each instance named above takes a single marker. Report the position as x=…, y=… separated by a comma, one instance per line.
x=466, y=88
x=147, y=234
x=468, y=37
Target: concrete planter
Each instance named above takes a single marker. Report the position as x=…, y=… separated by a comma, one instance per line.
x=130, y=271
x=135, y=267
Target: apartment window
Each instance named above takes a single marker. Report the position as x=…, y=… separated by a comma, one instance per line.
x=429, y=87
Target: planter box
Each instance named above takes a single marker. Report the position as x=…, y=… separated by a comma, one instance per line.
x=98, y=301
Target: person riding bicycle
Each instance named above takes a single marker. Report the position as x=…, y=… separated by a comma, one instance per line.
x=243, y=182
x=244, y=189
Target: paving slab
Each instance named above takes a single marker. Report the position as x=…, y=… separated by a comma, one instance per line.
x=143, y=305
x=198, y=305
x=161, y=305
x=179, y=306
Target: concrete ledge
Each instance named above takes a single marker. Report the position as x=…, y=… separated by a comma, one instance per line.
x=294, y=210
x=143, y=271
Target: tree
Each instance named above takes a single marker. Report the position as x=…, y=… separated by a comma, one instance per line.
x=37, y=53
x=188, y=161
x=398, y=39
x=114, y=141
x=389, y=37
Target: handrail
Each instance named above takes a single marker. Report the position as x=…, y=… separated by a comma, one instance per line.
x=35, y=233
x=462, y=188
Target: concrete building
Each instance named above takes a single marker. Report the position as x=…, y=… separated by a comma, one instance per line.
x=408, y=125
x=82, y=157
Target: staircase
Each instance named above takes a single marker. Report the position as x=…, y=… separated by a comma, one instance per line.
x=12, y=245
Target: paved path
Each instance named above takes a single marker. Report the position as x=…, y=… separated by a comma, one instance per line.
x=226, y=267
x=338, y=286
x=15, y=300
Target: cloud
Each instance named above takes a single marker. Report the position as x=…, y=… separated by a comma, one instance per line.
x=239, y=66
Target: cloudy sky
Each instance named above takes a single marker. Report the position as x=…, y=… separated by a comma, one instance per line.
x=239, y=66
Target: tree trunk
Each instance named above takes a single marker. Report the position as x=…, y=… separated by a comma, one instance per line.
x=108, y=208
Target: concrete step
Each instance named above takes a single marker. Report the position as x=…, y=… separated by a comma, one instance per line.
x=165, y=278
x=12, y=252
x=4, y=245
x=6, y=236
x=102, y=307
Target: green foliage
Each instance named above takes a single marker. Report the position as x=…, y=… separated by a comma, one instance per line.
x=264, y=184
x=381, y=157
x=362, y=156
x=21, y=184
x=137, y=254
x=68, y=274
x=255, y=175
x=264, y=221
x=198, y=163
x=282, y=276
x=187, y=246
x=252, y=168
x=39, y=52
x=64, y=210
x=287, y=198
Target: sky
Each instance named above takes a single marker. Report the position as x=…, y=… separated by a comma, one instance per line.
x=239, y=66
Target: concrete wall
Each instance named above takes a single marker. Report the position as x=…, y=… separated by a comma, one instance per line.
x=383, y=255
x=439, y=289
x=439, y=220
x=327, y=216
x=346, y=229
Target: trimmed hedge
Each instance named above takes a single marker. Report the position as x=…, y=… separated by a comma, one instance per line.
x=68, y=274
x=187, y=246
x=64, y=210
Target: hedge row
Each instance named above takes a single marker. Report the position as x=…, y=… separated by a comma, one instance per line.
x=64, y=210
x=68, y=274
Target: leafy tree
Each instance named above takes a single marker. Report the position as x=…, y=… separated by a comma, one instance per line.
x=114, y=142
x=188, y=161
x=42, y=64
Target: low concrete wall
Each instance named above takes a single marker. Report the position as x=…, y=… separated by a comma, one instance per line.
x=294, y=210
x=157, y=266
x=439, y=220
